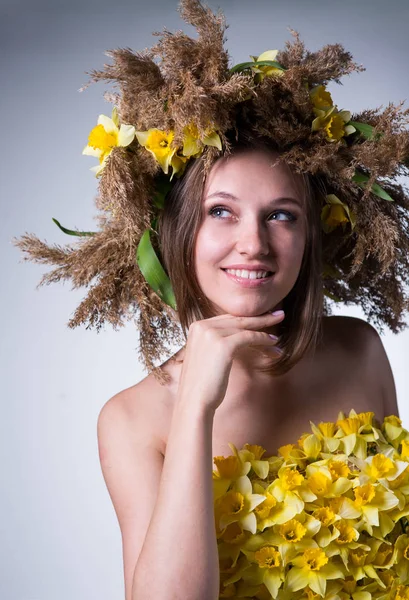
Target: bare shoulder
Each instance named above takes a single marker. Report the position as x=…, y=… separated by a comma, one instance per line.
x=143, y=408
x=127, y=408
x=365, y=344
x=342, y=328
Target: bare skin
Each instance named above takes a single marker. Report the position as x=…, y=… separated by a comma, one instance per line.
x=275, y=411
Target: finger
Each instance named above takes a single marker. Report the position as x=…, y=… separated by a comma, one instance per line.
x=249, y=338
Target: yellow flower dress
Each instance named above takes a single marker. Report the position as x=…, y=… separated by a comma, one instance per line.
x=326, y=518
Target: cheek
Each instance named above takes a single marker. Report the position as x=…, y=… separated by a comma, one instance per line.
x=289, y=243
x=210, y=245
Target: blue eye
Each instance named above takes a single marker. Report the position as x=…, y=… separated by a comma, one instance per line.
x=213, y=211
x=290, y=216
x=216, y=209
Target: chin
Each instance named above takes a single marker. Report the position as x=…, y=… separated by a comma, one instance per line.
x=244, y=308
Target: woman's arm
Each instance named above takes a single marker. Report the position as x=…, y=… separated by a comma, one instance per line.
x=175, y=553
x=164, y=507
x=179, y=557
x=131, y=463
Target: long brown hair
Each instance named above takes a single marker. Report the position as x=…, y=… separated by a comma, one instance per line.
x=179, y=223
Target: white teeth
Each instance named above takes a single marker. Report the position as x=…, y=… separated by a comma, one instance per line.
x=247, y=274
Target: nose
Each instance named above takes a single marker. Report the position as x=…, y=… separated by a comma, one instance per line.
x=253, y=238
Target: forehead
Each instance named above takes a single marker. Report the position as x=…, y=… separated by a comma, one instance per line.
x=259, y=172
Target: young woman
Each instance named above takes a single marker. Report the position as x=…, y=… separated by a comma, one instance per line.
x=157, y=442
x=241, y=191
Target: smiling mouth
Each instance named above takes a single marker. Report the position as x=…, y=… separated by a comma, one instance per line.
x=268, y=276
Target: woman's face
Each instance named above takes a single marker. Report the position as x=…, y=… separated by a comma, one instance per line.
x=252, y=218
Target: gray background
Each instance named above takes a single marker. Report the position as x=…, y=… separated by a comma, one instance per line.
x=60, y=537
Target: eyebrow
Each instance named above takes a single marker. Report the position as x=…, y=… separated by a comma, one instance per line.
x=281, y=199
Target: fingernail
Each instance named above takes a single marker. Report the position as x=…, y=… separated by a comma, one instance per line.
x=277, y=313
x=273, y=337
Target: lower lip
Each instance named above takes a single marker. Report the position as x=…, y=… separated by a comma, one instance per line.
x=249, y=283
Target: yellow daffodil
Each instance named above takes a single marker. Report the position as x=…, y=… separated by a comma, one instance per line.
x=360, y=563
x=357, y=558
x=265, y=511
x=347, y=533
x=237, y=505
x=401, y=558
x=338, y=468
x=393, y=420
x=325, y=433
x=400, y=484
x=267, y=567
x=349, y=425
x=384, y=555
x=286, y=451
x=364, y=494
x=401, y=593
x=312, y=568
x=333, y=123
x=228, y=469
x=288, y=487
x=379, y=466
x=159, y=144
x=344, y=507
x=323, y=484
x=325, y=515
x=252, y=454
x=366, y=419
x=266, y=70
x=350, y=589
x=319, y=483
x=292, y=531
x=388, y=578
x=294, y=455
x=291, y=537
x=234, y=534
x=311, y=445
x=336, y=213
x=193, y=144
x=231, y=575
x=370, y=499
x=107, y=135
x=288, y=479
x=321, y=98
x=394, y=432
x=271, y=511
x=327, y=429
x=338, y=509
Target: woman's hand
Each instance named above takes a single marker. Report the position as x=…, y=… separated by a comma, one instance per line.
x=209, y=352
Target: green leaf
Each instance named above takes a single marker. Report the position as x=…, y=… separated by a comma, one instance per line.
x=367, y=131
x=70, y=232
x=380, y=192
x=361, y=179
x=261, y=63
x=153, y=271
